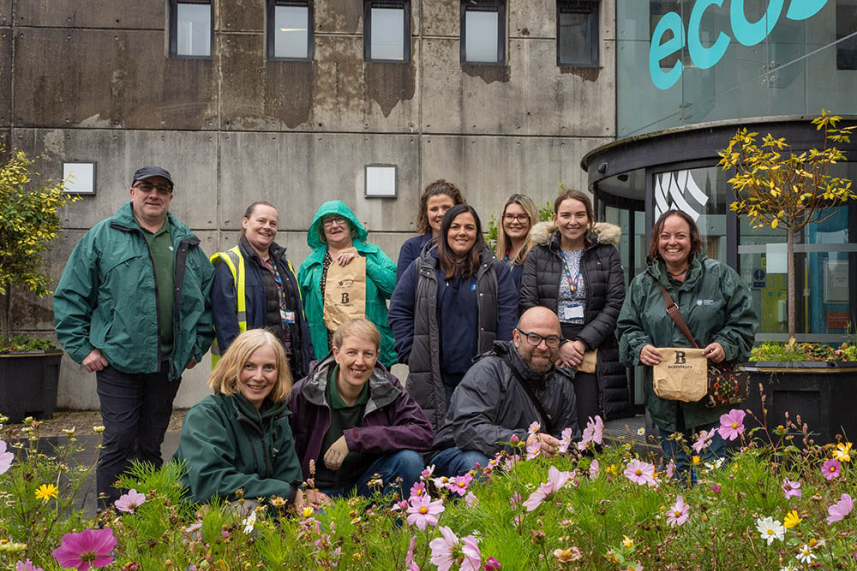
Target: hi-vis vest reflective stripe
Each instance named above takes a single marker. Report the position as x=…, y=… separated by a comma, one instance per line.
x=235, y=262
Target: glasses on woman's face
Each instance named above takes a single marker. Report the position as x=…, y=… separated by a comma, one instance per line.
x=535, y=339
x=338, y=220
x=516, y=217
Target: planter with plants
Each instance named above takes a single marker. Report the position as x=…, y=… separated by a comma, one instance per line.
x=777, y=188
x=29, y=368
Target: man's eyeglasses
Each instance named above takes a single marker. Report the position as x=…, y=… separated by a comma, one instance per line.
x=328, y=222
x=535, y=339
x=516, y=217
x=162, y=189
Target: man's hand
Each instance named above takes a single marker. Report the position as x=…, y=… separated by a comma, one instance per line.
x=714, y=352
x=336, y=454
x=650, y=356
x=95, y=361
x=316, y=499
x=191, y=364
x=548, y=445
x=571, y=353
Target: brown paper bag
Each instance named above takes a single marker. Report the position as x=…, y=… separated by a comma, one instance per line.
x=345, y=293
x=590, y=359
x=682, y=374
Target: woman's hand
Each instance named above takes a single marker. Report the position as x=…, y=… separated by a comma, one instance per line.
x=316, y=499
x=571, y=353
x=650, y=356
x=344, y=258
x=714, y=352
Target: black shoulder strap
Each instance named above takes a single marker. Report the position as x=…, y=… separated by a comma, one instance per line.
x=546, y=418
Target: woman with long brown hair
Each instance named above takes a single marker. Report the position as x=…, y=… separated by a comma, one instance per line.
x=452, y=303
x=519, y=216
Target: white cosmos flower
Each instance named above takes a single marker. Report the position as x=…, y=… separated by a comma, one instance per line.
x=770, y=529
x=806, y=555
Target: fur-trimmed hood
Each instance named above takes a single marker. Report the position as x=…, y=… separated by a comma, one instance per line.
x=602, y=233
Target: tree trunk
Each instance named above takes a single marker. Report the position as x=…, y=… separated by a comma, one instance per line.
x=790, y=261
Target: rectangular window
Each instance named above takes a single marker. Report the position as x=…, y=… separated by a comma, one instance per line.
x=290, y=29
x=78, y=177
x=846, y=24
x=577, y=32
x=387, y=31
x=483, y=31
x=191, y=32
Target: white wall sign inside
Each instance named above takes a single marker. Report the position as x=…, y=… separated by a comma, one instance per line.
x=380, y=181
x=78, y=178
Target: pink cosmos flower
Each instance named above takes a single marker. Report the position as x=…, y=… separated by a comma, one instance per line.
x=5, y=459
x=533, y=449
x=565, y=440
x=594, y=432
x=556, y=480
x=491, y=564
x=423, y=511
x=418, y=489
x=594, y=468
x=461, y=483
x=704, y=440
x=130, y=501
x=534, y=428
x=679, y=513
x=26, y=566
x=442, y=549
x=831, y=469
x=470, y=499
x=670, y=469
x=427, y=473
x=409, y=558
x=515, y=500
x=472, y=556
x=732, y=424
x=90, y=547
x=840, y=509
x=641, y=473
x=791, y=489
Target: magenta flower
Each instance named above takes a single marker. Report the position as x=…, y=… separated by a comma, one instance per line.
x=442, y=549
x=732, y=424
x=26, y=566
x=461, y=484
x=791, y=489
x=427, y=473
x=594, y=432
x=423, y=511
x=641, y=473
x=418, y=489
x=556, y=480
x=90, y=547
x=715, y=488
x=704, y=440
x=840, y=509
x=831, y=468
x=130, y=501
x=491, y=564
x=5, y=459
x=679, y=513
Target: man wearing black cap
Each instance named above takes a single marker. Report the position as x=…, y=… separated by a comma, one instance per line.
x=133, y=306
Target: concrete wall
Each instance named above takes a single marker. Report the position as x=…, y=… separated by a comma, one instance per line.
x=91, y=81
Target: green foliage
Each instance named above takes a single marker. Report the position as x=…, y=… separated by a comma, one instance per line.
x=28, y=223
x=23, y=343
x=792, y=351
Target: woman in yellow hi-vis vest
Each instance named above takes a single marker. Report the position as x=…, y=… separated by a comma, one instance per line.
x=255, y=287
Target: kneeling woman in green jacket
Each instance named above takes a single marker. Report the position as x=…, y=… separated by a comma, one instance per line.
x=239, y=437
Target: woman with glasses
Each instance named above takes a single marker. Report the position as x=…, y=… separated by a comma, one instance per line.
x=438, y=197
x=454, y=289
x=337, y=237
x=574, y=269
x=513, y=239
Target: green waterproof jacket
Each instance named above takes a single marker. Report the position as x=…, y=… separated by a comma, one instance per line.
x=380, y=282
x=716, y=305
x=227, y=445
x=107, y=297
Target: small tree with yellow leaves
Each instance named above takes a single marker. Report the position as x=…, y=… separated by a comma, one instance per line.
x=28, y=223
x=779, y=189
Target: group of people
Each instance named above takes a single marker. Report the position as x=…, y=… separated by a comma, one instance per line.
x=539, y=330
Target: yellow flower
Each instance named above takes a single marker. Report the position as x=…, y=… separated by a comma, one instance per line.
x=611, y=469
x=46, y=492
x=627, y=541
x=843, y=452
x=792, y=519
x=696, y=460
x=307, y=512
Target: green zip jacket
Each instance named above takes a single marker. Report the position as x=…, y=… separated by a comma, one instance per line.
x=380, y=282
x=228, y=445
x=107, y=297
x=716, y=305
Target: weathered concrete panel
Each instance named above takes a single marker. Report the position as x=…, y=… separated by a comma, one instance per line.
x=441, y=18
x=489, y=169
x=339, y=16
x=338, y=91
x=537, y=19
x=90, y=14
x=531, y=96
x=297, y=172
x=5, y=77
x=191, y=159
x=100, y=78
x=5, y=12
x=242, y=15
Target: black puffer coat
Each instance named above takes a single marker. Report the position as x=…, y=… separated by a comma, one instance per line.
x=605, y=293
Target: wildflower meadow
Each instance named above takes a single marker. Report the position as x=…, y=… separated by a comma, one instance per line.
x=779, y=502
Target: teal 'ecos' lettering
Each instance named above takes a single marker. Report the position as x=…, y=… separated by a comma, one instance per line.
x=747, y=33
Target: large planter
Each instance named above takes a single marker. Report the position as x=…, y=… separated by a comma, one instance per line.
x=822, y=393
x=28, y=384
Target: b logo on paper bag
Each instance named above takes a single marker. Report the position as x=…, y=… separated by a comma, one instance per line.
x=680, y=358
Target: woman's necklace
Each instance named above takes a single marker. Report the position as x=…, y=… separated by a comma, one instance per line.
x=678, y=274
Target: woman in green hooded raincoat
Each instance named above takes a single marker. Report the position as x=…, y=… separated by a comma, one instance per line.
x=333, y=233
